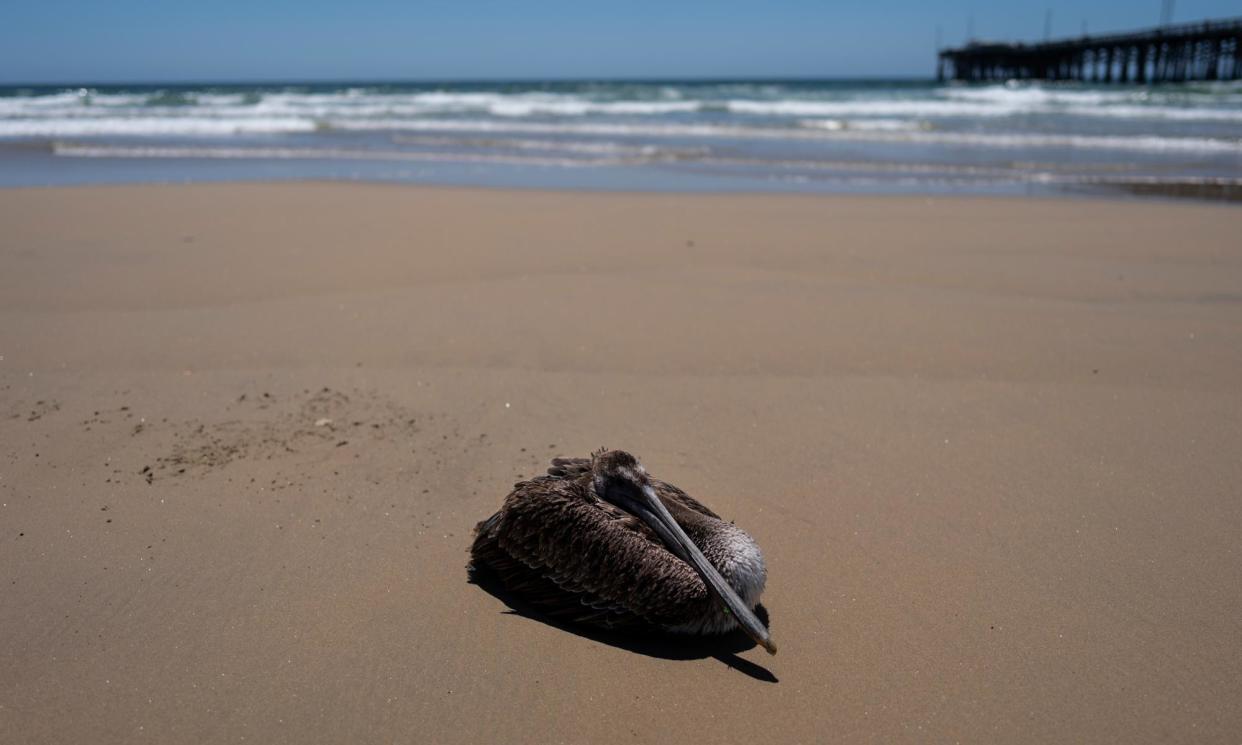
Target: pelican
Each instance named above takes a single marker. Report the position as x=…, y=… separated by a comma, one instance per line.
x=598, y=541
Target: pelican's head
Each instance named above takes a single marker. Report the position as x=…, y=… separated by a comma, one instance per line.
x=621, y=480
x=616, y=475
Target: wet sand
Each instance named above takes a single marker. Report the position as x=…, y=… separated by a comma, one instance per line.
x=990, y=448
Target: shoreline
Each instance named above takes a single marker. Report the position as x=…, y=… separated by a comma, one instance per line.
x=1129, y=192
x=987, y=444
x=811, y=136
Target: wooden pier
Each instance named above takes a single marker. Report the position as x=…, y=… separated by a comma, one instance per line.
x=1210, y=50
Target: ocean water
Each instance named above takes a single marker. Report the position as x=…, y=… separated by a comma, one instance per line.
x=836, y=136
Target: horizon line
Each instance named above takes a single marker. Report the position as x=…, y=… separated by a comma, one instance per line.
x=470, y=79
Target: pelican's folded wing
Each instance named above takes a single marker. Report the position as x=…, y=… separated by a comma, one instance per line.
x=578, y=558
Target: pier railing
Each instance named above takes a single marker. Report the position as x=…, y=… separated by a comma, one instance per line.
x=1210, y=50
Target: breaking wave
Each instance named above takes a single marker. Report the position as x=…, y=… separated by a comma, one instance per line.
x=1182, y=132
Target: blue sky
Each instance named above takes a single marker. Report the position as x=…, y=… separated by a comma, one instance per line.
x=170, y=40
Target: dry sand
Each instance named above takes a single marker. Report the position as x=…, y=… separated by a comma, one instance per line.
x=991, y=449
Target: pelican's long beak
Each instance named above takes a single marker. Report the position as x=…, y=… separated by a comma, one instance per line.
x=657, y=516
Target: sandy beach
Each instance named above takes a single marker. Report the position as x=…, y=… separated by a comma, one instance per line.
x=989, y=446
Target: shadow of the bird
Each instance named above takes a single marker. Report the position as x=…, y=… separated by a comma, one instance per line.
x=724, y=647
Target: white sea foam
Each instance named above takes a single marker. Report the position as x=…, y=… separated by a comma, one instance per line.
x=338, y=105
x=1039, y=102
x=1150, y=143
x=532, y=104
x=820, y=129
x=75, y=150
x=1158, y=112
x=887, y=131
x=873, y=125
x=150, y=126
x=986, y=103
x=590, y=147
x=622, y=129
x=1032, y=97
x=1135, y=103
x=865, y=107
